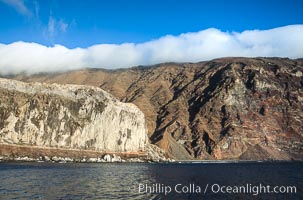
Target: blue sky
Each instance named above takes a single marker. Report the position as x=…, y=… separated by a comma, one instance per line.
x=85, y=23
x=52, y=35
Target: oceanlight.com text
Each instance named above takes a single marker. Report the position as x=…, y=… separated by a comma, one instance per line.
x=253, y=189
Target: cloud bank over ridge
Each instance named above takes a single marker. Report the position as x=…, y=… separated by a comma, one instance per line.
x=207, y=44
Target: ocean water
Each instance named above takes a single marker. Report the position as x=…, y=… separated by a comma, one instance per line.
x=245, y=180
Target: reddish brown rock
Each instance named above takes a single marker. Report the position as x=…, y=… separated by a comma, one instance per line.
x=230, y=108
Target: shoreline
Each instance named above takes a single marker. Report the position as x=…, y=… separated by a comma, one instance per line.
x=30, y=160
x=26, y=153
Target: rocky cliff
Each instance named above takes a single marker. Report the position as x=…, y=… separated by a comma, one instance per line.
x=230, y=108
x=68, y=116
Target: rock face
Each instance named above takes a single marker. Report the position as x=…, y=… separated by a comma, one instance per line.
x=68, y=116
x=230, y=108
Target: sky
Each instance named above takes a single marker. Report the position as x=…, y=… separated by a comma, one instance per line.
x=55, y=35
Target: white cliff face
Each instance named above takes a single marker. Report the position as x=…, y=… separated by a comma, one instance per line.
x=68, y=116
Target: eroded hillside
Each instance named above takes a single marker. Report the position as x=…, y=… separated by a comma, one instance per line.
x=68, y=116
x=230, y=108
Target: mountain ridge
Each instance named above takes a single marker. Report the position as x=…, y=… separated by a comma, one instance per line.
x=214, y=109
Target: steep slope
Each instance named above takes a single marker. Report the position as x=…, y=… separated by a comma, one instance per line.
x=68, y=116
x=222, y=109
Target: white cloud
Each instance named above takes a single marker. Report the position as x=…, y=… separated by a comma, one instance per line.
x=19, y=6
x=51, y=26
x=189, y=47
x=54, y=27
x=62, y=25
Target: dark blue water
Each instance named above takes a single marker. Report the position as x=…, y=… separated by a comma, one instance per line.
x=138, y=181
